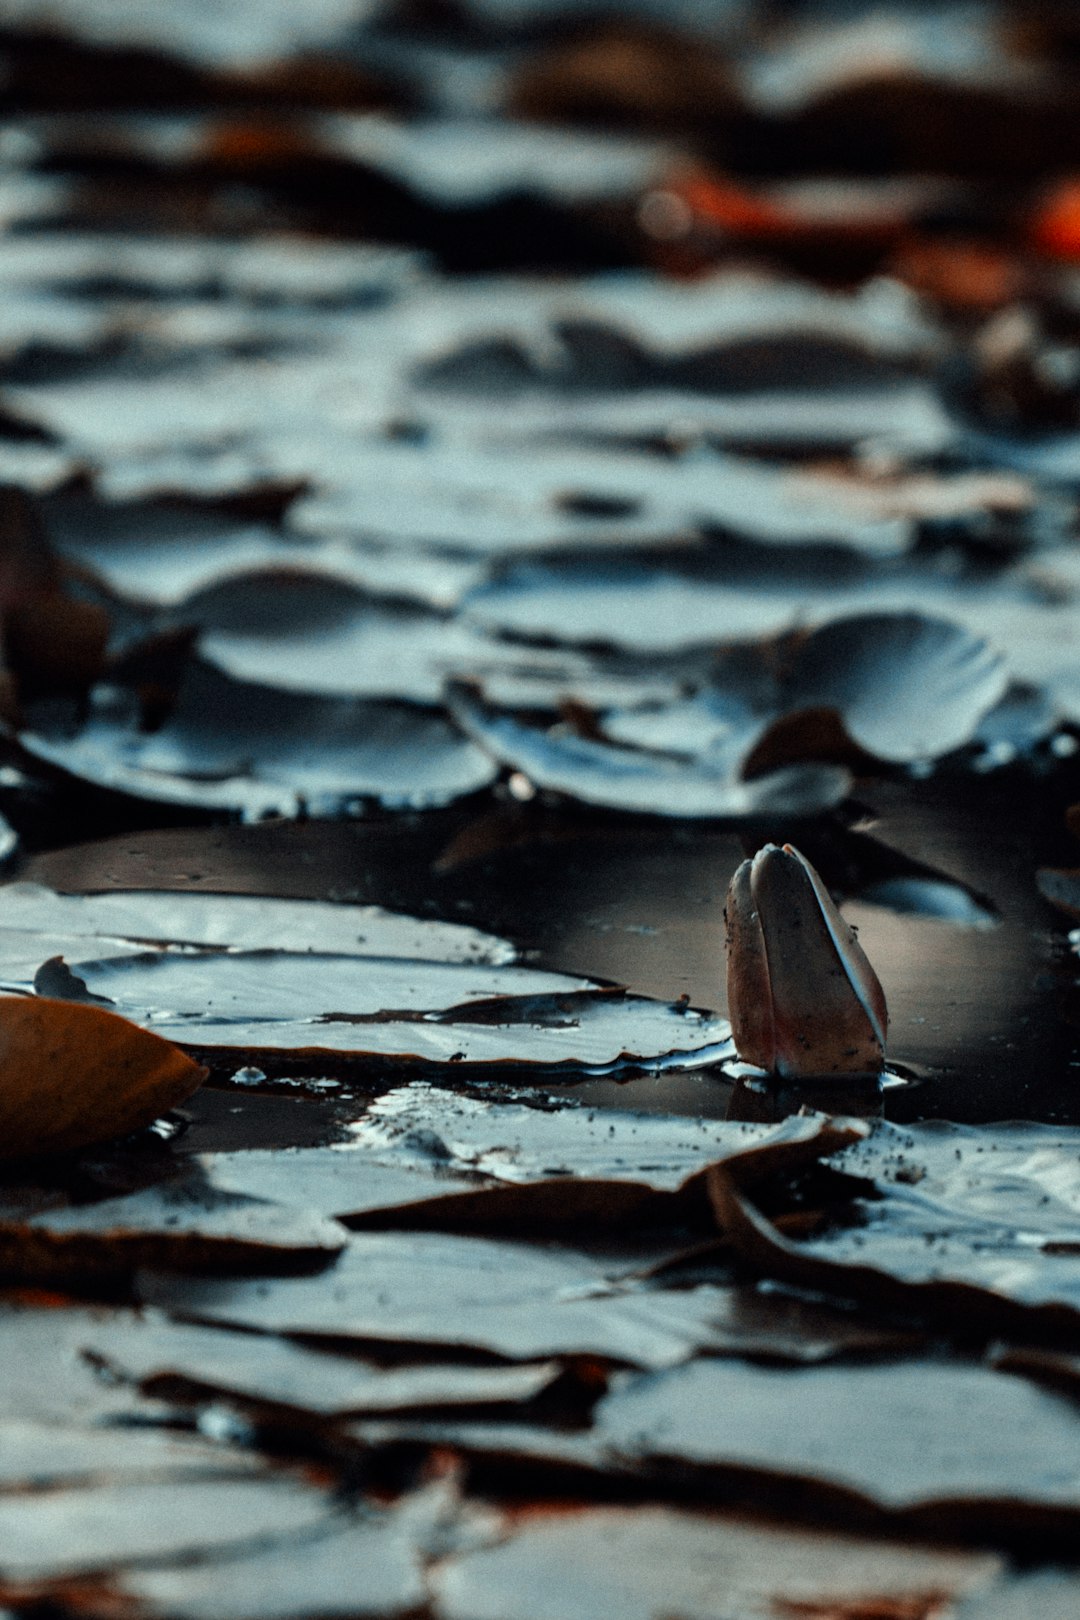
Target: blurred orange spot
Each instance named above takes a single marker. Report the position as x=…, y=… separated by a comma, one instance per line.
x=726, y=206
x=253, y=145
x=1056, y=226
x=965, y=274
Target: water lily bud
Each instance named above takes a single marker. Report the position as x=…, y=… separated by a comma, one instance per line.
x=802, y=997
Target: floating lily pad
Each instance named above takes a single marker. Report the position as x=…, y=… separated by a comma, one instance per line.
x=316, y=636
x=1048, y=1594
x=943, y=1444
x=256, y=752
x=212, y=1363
x=906, y=686
x=434, y=1012
x=649, y=783
x=137, y=918
x=430, y=1288
x=36, y=1456
x=377, y=1560
x=183, y=1224
x=420, y=1124
x=426, y=1156
x=647, y=1563
x=50, y=1535
x=983, y=1218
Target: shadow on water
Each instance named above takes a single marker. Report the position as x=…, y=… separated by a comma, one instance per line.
x=977, y=1007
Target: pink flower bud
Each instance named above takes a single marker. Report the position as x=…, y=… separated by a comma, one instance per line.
x=802, y=997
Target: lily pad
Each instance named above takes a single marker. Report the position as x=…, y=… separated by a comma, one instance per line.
x=377, y=1559
x=941, y=1444
x=980, y=1218
x=138, y=918
x=906, y=686
x=211, y=1364
x=52, y=1535
x=510, y=1299
x=255, y=752
x=426, y=1156
x=183, y=1224
x=649, y=1562
x=635, y=780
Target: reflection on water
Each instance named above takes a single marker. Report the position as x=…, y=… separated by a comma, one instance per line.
x=975, y=1010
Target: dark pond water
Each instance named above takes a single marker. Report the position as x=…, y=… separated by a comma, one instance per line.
x=980, y=1008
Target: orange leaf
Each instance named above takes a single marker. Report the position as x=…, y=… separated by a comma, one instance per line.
x=1056, y=227
x=72, y=1074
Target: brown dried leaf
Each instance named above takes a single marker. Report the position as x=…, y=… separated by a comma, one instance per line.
x=72, y=1074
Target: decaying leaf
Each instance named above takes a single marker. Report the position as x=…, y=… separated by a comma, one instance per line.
x=73, y=1074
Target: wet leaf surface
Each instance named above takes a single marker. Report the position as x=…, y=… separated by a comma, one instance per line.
x=254, y=752
x=375, y=1563
x=184, y=1224
x=433, y=1288
x=473, y=477
x=958, y=1217
x=423, y=1156
x=134, y=920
